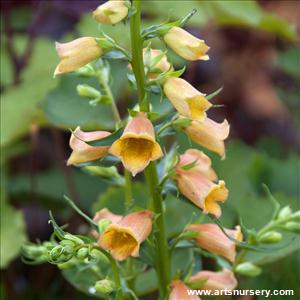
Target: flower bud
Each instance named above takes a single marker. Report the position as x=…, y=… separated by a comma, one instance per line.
x=271, y=237
x=111, y=12
x=99, y=256
x=84, y=90
x=76, y=54
x=248, y=269
x=296, y=216
x=284, y=212
x=75, y=239
x=86, y=71
x=56, y=252
x=33, y=251
x=186, y=45
x=292, y=226
x=104, y=286
x=82, y=253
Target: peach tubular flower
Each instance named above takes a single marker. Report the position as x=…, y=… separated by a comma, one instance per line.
x=124, y=237
x=111, y=12
x=82, y=152
x=202, y=192
x=221, y=280
x=202, y=164
x=211, y=238
x=137, y=146
x=209, y=134
x=76, y=54
x=105, y=213
x=179, y=291
x=186, y=45
x=188, y=101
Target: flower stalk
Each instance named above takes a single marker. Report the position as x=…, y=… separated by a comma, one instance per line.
x=162, y=257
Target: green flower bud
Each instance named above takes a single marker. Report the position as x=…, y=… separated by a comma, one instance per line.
x=248, y=269
x=296, y=216
x=292, y=226
x=56, y=252
x=67, y=243
x=74, y=239
x=104, y=286
x=82, y=253
x=84, y=90
x=270, y=237
x=284, y=212
x=99, y=256
x=33, y=251
x=86, y=71
x=103, y=224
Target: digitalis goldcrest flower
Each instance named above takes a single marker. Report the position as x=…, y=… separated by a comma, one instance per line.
x=111, y=12
x=185, y=44
x=76, y=54
x=211, y=238
x=179, y=292
x=82, y=152
x=221, y=280
x=197, y=184
x=123, y=238
x=137, y=146
x=188, y=101
x=209, y=134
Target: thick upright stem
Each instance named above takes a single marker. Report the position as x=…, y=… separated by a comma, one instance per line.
x=162, y=253
x=128, y=189
x=137, y=55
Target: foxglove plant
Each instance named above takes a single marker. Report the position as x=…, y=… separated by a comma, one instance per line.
x=120, y=247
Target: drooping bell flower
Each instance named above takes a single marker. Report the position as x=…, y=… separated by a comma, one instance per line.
x=76, y=54
x=209, y=134
x=211, y=238
x=186, y=45
x=83, y=152
x=124, y=237
x=111, y=12
x=179, y=291
x=203, y=192
x=201, y=164
x=137, y=146
x=187, y=100
x=215, y=281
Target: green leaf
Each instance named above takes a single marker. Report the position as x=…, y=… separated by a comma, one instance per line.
x=214, y=94
x=20, y=105
x=12, y=229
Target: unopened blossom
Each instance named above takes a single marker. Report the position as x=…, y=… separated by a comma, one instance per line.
x=111, y=12
x=124, y=237
x=186, y=45
x=187, y=100
x=137, y=145
x=83, y=152
x=76, y=54
x=213, y=281
x=211, y=238
x=209, y=134
x=179, y=291
x=202, y=164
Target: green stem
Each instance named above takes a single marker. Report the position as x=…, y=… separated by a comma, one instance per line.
x=128, y=189
x=108, y=92
x=137, y=55
x=117, y=278
x=162, y=251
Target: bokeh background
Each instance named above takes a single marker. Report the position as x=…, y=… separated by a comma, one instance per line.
x=254, y=56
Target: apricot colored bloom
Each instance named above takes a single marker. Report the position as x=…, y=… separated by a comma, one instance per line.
x=111, y=12
x=106, y=214
x=76, y=54
x=209, y=134
x=221, y=280
x=202, y=164
x=211, y=238
x=179, y=291
x=188, y=101
x=123, y=238
x=137, y=146
x=202, y=192
x=185, y=44
x=82, y=152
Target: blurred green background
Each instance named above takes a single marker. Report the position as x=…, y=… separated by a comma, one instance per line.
x=254, y=55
